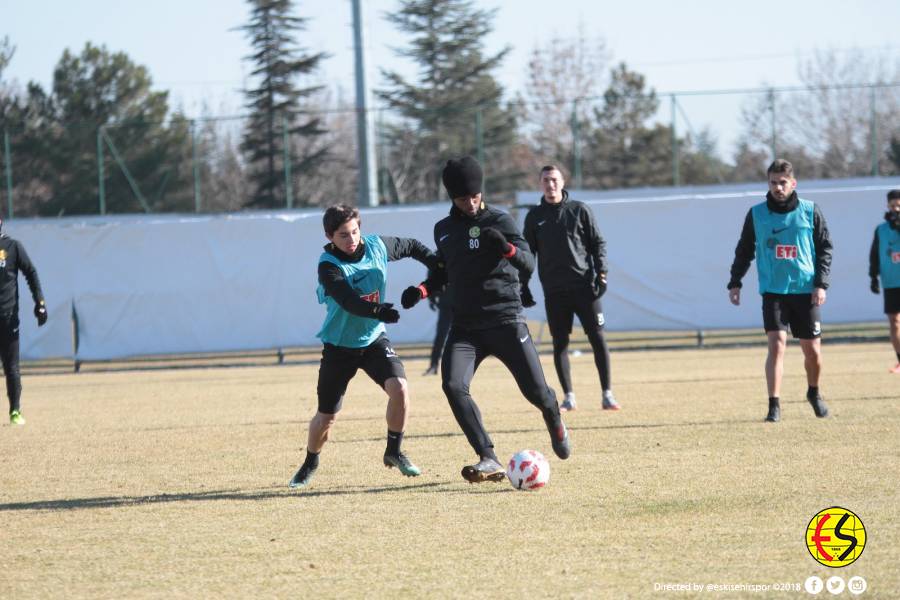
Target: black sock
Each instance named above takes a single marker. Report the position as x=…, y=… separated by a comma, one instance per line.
x=812, y=392
x=898, y=358
x=312, y=460
x=773, y=399
x=394, y=439
x=488, y=453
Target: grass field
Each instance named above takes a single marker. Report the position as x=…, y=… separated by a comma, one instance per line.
x=173, y=483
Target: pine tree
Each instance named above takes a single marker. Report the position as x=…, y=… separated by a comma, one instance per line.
x=453, y=108
x=276, y=104
x=623, y=151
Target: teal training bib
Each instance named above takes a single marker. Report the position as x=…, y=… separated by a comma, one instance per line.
x=889, y=256
x=368, y=278
x=785, y=252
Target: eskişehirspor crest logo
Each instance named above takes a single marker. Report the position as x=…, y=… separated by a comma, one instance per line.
x=475, y=231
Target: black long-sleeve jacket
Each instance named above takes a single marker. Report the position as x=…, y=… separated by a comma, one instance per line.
x=336, y=286
x=571, y=253
x=482, y=286
x=13, y=259
x=746, y=246
x=874, y=259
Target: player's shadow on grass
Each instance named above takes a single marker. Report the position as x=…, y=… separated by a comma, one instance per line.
x=210, y=496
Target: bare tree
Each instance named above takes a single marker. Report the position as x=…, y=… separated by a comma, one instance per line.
x=565, y=77
x=848, y=113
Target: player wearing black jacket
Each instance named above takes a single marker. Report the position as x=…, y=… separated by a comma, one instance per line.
x=13, y=259
x=483, y=254
x=571, y=256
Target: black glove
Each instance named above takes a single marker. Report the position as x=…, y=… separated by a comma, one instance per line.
x=410, y=296
x=494, y=239
x=876, y=289
x=527, y=298
x=601, y=284
x=40, y=311
x=386, y=313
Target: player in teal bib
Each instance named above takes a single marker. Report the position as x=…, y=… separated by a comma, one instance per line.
x=790, y=241
x=352, y=286
x=368, y=278
x=884, y=262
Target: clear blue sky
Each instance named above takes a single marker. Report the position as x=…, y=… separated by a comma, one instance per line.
x=191, y=49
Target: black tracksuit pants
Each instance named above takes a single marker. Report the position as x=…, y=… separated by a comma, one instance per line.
x=9, y=354
x=441, y=331
x=512, y=345
x=561, y=309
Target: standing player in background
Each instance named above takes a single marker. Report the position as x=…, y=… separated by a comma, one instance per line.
x=571, y=257
x=884, y=262
x=13, y=259
x=792, y=245
x=352, y=283
x=483, y=253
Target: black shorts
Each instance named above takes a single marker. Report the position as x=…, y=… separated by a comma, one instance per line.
x=794, y=311
x=561, y=308
x=339, y=365
x=891, y=301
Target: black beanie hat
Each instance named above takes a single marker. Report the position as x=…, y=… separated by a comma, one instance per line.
x=462, y=177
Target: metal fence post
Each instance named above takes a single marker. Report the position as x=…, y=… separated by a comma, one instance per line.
x=196, y=165
x=101, y=190
x=676, y=174
x=774, y=132
x=873, y=133
x=576, y=147
x=479, y=136
x=288, y=192
x=7, y=159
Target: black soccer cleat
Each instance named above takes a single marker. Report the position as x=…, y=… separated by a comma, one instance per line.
x=487, y=469
x=818, y=405
x=303, y=476
x=559, y=435
x=559, y=439
x=774, y=412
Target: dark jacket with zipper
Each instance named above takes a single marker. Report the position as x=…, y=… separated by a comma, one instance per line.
x=482, y=286
x=13, y=259
x=571, y=253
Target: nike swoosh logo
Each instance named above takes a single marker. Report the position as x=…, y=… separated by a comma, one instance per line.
x=443, y=237
x=541, y=223
x=358, y=278
x=776, y=231
x=523, y=339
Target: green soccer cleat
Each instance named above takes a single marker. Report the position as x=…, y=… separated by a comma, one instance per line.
x=402, y=462
x=16, y=418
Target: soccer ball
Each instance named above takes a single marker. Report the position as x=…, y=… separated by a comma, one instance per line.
x=528, y=470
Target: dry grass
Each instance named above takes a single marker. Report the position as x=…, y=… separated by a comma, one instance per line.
x=173, y=484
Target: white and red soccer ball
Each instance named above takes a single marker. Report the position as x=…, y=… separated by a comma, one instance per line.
x=528, y=470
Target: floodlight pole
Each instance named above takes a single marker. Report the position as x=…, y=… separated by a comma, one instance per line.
x=365, y=138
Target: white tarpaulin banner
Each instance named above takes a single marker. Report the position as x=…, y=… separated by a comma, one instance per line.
x=670, y=252
x=143, y=285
